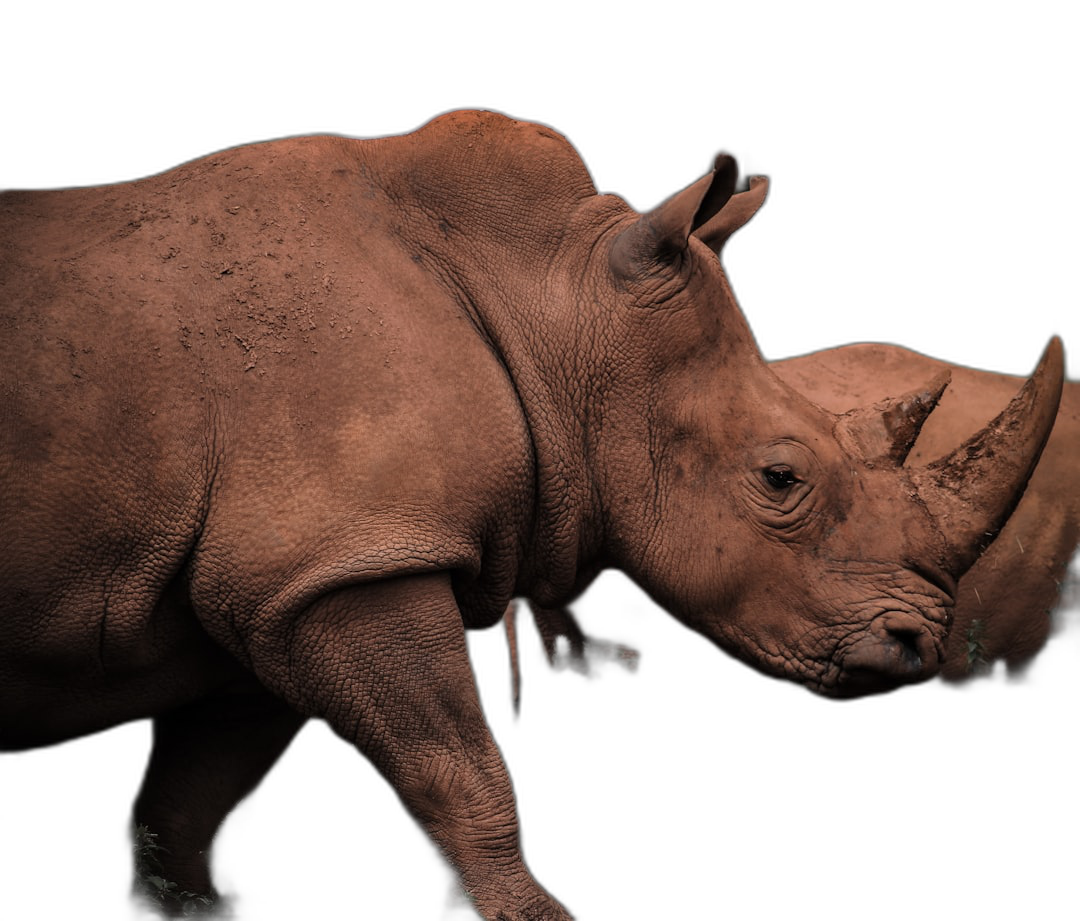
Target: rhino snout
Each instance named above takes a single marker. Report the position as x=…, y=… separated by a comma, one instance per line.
x=893, y=652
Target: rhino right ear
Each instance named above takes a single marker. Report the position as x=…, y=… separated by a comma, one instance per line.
x=740, y=208
x=662, y=235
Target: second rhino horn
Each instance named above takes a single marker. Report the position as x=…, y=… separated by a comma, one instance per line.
x=886, y=432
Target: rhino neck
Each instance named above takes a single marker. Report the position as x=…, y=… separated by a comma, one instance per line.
x=686, y=394
x=504, y=215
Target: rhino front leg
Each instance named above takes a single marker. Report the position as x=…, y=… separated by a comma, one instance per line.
x=386, y=665
x=206, y=757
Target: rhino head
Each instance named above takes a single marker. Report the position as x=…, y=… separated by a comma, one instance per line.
x=794, y=538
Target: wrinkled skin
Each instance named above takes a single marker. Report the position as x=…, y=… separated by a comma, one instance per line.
x=280, y=424
x=1005, y=601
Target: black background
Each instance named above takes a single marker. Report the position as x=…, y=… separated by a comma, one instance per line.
x=919, y=199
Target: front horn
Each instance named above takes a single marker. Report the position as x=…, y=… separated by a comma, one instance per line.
x=972, y=491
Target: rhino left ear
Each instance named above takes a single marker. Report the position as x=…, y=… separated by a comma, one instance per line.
x=661, y=235
x=886, y=432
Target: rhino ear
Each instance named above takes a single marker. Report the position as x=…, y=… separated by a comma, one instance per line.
x=739, y=209
x=886, y=432
x=660, y=236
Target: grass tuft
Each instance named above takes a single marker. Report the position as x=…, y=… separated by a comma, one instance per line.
x=977, y=662
x=152, y=884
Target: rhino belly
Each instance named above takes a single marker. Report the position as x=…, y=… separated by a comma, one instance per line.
x=87, y=665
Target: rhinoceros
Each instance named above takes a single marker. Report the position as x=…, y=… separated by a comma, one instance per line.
x=1005, y=602
x=280, y=424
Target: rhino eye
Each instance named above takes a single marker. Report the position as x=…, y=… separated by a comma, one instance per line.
x=780, y=476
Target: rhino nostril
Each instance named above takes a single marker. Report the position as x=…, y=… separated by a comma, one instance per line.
x=907, y=640
x=894, y=653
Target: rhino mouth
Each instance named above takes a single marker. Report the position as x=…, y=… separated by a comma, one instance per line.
x=895, y=652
